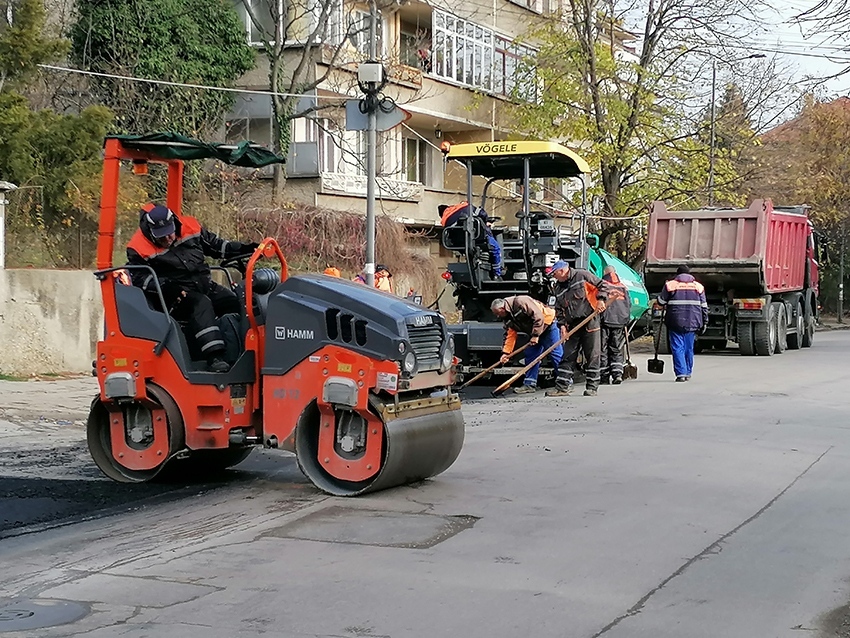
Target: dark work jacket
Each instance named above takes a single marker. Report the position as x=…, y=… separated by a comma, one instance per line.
x=577, y=296
x=619, y=308
x=686, y=307
x=182, y=266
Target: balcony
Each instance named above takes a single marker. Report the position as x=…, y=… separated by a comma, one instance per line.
x=395, y=189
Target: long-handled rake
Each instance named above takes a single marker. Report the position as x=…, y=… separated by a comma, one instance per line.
x=494, y=366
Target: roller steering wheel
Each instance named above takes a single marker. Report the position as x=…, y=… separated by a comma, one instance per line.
x=239, y=262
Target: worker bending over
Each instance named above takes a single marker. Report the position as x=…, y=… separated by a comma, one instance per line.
x=451, y=215
x=525, y=314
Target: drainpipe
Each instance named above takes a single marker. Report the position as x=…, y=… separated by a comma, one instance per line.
x=5, y=187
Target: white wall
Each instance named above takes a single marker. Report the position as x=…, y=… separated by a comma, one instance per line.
x=50, y=321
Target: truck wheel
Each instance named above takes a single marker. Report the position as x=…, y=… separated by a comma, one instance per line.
x=746, y=343
x=795, y=340
x=781, y=329
x=809, y=328
x=764, y=334
x=662, y=341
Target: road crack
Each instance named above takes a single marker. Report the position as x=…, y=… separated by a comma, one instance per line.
x=713, y=549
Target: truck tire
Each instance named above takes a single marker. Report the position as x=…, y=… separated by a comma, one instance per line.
x=781, y=329
x=809, y=321
x=746, y=343
x=662, y=340
x=764, y=334
x=795, y=340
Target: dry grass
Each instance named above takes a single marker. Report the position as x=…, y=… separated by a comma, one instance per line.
x=313, y=238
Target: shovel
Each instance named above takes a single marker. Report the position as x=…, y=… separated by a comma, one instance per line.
x=656, y=365
x=629, y=369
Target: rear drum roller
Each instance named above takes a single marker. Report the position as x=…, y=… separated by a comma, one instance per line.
x=143, y=434
x=345, y=454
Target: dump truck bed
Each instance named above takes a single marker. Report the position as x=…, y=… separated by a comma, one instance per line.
x=757, y=250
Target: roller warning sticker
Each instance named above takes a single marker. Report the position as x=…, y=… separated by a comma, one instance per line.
x=387, y=381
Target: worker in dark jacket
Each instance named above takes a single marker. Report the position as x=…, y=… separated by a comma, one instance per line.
x=451, y=215
x=578, y=295
x=525, y=314
x=686, y=314
x=613, y=333
x=175, y=247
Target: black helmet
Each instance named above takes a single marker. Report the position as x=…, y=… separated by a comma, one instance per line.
x=380, y=267
x=159, y=221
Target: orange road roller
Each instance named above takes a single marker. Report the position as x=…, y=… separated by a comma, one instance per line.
x=354, y=381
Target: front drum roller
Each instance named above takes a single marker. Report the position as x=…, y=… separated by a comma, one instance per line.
x=152, y=432
x=345, y=454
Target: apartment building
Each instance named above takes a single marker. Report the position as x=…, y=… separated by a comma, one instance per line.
x=453, y=68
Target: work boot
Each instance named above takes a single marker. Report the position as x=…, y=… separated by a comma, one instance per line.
x=617, y=380
x=681, y=379
x=560, y=391
x=590, y=392
x=526, y=389
x=217, y=364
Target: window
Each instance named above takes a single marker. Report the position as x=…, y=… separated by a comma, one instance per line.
x=415, y=49
x=304, y=18
x=341, y=151
x=474, y=56
x=532, y=5
x=358, y=32
x=416, y=156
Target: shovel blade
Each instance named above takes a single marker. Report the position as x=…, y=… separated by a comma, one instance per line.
x=630, y=371
x=655, y=366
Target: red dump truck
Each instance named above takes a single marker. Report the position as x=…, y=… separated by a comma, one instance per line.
x=758, y=265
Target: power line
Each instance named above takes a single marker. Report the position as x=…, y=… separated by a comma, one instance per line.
x=185, y=85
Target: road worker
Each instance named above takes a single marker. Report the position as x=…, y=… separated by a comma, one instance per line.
x=175, y=246
x=383, y=279
x=578, y=294
x=451, y=215
x=613, y=334
x=524, y=314
x=686, y=313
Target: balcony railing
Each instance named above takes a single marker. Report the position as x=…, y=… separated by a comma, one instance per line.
x=344, y=184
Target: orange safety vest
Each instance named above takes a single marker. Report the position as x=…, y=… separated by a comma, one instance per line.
x=189, y=227
x=510, y=337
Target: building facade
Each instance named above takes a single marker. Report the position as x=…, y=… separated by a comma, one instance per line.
x=453, y=69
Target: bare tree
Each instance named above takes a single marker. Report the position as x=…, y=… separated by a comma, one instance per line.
x=295, y=35
x=630, y=79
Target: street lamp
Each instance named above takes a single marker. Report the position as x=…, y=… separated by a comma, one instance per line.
x=713, y=113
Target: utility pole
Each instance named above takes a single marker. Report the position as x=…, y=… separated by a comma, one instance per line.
x=712, y=142
x=712, y=151
x=841, y=276
x=371, y=153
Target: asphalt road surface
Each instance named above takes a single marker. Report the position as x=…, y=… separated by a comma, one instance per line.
x=715, y=508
